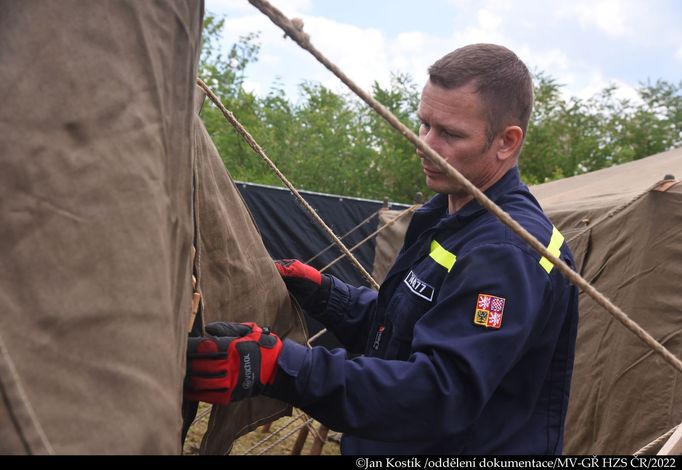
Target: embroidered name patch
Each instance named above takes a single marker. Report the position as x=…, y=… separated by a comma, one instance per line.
x=419, y=287
x=489, y=311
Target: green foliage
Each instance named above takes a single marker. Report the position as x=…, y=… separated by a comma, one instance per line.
x=396, y=162
x=571, y=136
x=329, y=142
x=324, y=141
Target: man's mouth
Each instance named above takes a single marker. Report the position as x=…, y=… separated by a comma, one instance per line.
x=431, y=173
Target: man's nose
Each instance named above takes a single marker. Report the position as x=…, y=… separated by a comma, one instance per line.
x=429, y=138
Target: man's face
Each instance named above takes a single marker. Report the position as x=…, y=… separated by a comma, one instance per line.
x=453, y=124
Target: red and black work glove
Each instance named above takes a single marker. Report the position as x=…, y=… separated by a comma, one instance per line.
x=237, y=361
x=309, y=286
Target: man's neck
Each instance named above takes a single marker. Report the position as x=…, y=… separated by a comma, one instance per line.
x=457, y=201
x=460, y=199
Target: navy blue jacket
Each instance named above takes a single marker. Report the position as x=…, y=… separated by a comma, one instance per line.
x=468, y=346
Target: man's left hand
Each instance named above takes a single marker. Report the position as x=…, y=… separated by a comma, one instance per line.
x=237, y=361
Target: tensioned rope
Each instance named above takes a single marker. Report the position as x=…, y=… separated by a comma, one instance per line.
x=295, y=31
x=409, y=210
x=307, y=423
x=274, y=433
x=259, y=151
x=657, y=442
x=614, y=211
x=257, y=148
x=270, y=435
x=286, y=436
x=353, y=230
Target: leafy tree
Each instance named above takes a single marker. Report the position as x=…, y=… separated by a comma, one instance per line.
x=397, y=162
x=570, y=136
x=330, y=142
x=225, y=75
x=657, y=125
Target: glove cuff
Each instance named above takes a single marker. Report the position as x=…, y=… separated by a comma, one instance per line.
x=325, y=289
x=290, y=362
x=337, y=303
x=316, y=304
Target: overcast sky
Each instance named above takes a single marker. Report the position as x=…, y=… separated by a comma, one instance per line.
x=584, y=44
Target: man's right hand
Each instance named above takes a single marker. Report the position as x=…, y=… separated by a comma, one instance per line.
x=309, y=286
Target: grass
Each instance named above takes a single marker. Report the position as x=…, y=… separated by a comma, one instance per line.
x=278, y=439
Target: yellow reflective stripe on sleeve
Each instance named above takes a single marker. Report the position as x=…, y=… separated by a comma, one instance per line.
x=442, y=256
x=554, y=248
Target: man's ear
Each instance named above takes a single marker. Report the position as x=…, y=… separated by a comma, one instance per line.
x=509, y=143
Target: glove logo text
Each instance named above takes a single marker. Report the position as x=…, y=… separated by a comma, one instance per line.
x=248, y=373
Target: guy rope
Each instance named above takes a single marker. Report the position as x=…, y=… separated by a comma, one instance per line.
x=257, y=148
x=330, y=246
x=409, y=210
x=295, y=31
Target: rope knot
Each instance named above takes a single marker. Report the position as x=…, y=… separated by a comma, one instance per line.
x=296, y=24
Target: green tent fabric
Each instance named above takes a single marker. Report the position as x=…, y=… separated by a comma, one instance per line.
x=106, y=170
x=95, y=203
x=238, y=282
x=623, y=226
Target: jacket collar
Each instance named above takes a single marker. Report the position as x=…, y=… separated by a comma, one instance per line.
x=434, y=216
x=435, y=212
x=509, y=182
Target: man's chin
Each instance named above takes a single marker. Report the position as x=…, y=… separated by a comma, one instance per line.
x=437, y=185
x=444, y=187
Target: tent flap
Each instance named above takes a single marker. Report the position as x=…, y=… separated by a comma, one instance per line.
x=239, y=282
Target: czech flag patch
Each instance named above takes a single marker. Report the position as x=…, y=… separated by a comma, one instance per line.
x=489, y=311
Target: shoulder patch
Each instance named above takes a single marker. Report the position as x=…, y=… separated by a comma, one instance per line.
x=489, y=311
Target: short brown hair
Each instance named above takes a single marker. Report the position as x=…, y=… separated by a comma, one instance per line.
x=502, y=80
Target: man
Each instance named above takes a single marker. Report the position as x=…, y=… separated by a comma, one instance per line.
x=468, y=346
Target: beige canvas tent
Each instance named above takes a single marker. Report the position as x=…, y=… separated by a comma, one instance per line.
x=95, y=223
x=108, y=179
x=623, y=225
